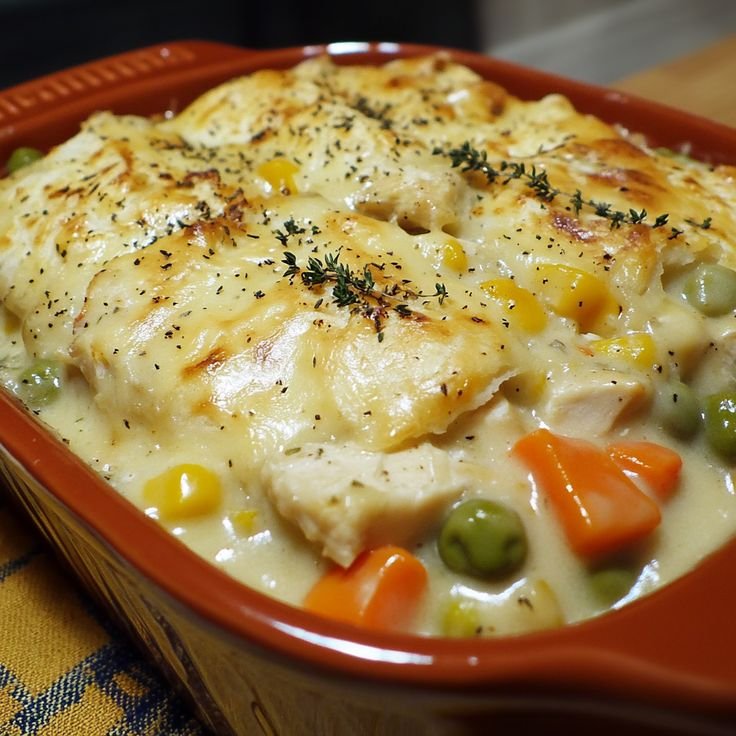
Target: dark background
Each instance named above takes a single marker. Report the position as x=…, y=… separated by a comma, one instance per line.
x=41, y=36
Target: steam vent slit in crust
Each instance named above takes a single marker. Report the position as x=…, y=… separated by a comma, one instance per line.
x=388, y=342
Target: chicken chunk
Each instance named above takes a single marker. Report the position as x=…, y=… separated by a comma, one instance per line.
x=346, y=499
x=588, y=403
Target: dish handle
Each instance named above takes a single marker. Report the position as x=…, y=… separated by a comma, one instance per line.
x=132, y=82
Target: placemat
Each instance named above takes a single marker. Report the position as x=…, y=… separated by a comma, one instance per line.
x=65, y=669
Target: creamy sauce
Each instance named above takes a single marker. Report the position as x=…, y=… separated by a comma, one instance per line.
x=150, y=261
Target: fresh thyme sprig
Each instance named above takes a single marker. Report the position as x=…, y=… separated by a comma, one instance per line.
x=704, y=225
x=471, y=159
x=357, y=290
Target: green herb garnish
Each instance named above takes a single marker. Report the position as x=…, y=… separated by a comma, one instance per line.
x=471, y=159
x=704, y=225
x=358, y=289
x=290, y=228
x=363, y=106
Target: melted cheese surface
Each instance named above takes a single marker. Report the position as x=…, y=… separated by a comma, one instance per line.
x=507, y=257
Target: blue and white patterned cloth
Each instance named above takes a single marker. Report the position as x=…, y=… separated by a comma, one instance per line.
x=65, y=670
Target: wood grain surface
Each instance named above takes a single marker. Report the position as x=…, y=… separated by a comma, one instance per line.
x=703, y=82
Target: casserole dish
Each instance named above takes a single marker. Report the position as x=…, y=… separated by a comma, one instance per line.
x=252, y=664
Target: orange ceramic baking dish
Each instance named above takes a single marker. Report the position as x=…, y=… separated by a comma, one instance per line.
x=251, y=665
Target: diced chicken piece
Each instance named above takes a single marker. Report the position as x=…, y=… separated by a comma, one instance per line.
x=346, y=499
x=715, y=367
x=588, y=403
x=682, y=331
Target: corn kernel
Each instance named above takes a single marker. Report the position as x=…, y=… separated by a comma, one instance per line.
x=576, y=294
x=453, y=255
x=245, y=520
x=545, y=609
x=279, y=173
x=637, y=349
x=183, y=491
x=520, y=306
x=461, y=618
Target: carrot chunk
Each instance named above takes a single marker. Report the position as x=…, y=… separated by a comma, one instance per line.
x=658, y=466
x=600, y=509
x=381, y=590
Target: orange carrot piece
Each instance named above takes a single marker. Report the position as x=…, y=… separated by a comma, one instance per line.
x=658, y=466
x=381, y=590
x=600, y=509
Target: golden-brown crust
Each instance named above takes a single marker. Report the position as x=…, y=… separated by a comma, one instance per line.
x=166, y=259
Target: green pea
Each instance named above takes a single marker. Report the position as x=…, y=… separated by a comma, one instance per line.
x=711, y=289
x=22, y=157
x=719, y=413
x=482, y=538
x=611, y=584
x=678, y=409
x=40, y=383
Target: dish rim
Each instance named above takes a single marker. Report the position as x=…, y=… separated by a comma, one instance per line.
x=603, y=656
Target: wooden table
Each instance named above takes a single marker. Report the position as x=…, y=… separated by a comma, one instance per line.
x=703, y=82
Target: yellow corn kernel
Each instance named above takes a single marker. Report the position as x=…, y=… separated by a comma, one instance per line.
x=245, y=520
x=520, y=306
x=461, y=618
x=525, y=388
x=637, y=349
x=545, y=611
x=576, y=294
x=453, y=255
x=279, y=173
x=183, y=491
